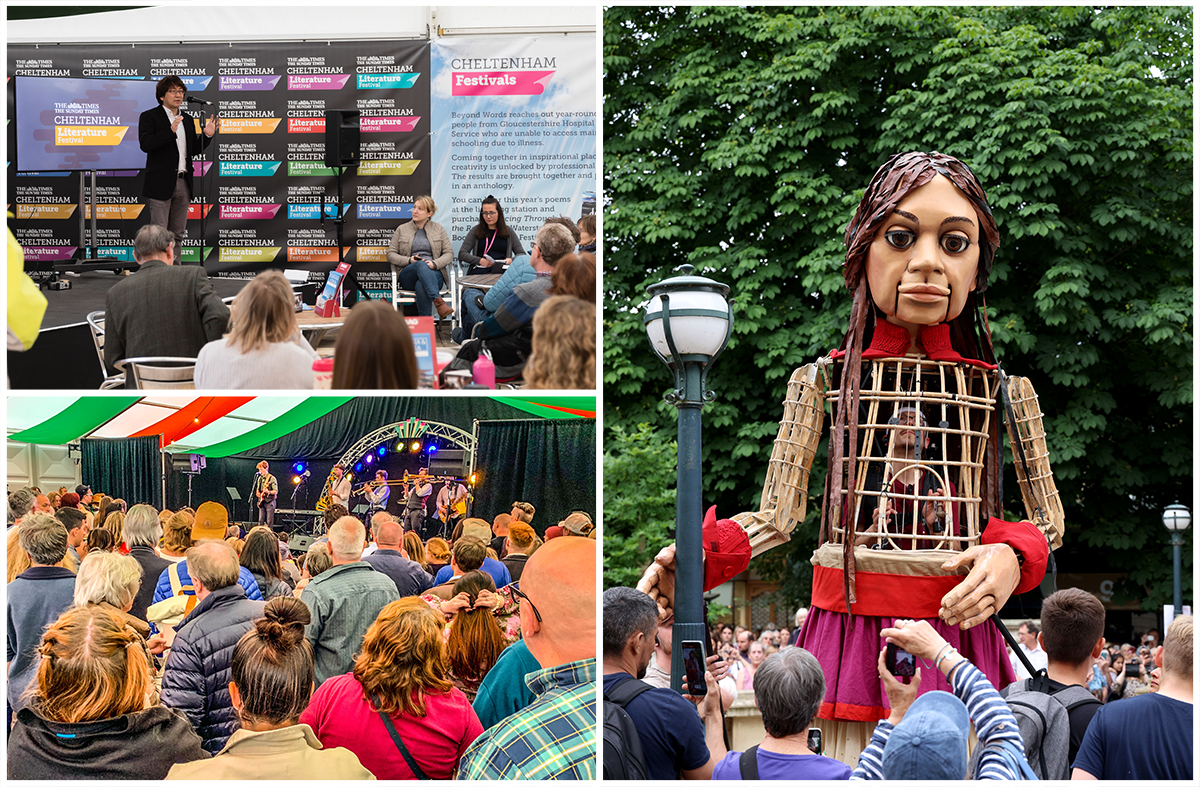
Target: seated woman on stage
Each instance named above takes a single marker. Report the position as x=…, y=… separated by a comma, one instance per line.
x=272, y=680
x=399, y=677
x=92, y=689
x=490, y=242
x=264, y=349
x=420, y=253
x=374, y=350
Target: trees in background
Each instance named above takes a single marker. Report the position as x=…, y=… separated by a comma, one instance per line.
x=740, y=140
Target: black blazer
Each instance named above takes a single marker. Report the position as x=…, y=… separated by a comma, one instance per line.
x=158, y=142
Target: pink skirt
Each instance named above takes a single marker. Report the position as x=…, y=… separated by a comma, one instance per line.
x=847, y=646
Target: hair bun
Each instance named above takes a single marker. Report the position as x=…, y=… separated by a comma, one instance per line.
x=283, y=623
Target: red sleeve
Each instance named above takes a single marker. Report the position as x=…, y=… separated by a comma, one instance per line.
x=473, y=730
x=1025, y=538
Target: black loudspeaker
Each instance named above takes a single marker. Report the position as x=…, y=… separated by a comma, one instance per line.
x=300, y=544
x=341, y=138
x=188, y=463
x=448, y=462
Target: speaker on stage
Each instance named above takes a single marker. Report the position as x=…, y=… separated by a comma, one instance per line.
x=448, y=461
x=300, y=544
x=341, y=138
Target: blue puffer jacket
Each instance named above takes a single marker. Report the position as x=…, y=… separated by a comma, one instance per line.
x=163, y=589
x=196, y=679
x=520, y=271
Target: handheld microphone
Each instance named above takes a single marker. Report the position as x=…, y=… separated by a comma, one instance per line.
x=194, y=100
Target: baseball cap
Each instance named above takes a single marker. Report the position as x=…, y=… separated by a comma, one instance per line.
x=554, y=531
x=930, y=742
x=478, y=529
x=212, y=520
x=83, y=490
x=578, y=523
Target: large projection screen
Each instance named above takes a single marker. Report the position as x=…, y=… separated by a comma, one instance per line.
x=65, y=124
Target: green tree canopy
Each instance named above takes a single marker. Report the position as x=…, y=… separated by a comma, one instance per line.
x=740, y=140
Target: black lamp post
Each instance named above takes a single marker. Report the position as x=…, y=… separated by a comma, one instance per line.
x=689, y=321
x=1176, y=518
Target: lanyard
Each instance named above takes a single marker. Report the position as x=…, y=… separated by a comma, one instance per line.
x=487, y=244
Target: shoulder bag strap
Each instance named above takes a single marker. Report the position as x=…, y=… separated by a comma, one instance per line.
x=408, y=758
x=748, y=764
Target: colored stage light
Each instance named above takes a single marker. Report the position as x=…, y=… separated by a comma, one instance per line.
x=358, y=467
x=382, y=451
x=431, y=449
x=298, y=466
x=473, y=479
x=369, y=458
x=295, y=479
x=415, y=446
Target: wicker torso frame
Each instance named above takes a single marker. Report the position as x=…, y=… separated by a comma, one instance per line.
x=961, y=395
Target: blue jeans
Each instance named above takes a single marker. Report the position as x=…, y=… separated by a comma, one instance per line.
x=424, y=281
x=472, y=314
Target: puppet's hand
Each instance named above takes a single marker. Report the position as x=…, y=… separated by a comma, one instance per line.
x=659, y=581
x=994, y=575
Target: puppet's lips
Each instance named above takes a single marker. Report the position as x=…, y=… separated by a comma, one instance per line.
x=925, y=292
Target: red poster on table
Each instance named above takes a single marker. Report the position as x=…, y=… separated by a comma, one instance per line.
x=425, y=344
x=329, y=301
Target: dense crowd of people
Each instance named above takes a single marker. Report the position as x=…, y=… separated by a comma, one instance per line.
x=1062, y=722
x=183, y=647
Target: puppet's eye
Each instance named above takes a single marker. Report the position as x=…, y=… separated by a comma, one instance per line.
x=900, y=239
x=955, y=244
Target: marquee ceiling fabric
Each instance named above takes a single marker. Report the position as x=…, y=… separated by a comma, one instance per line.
x=218, y=426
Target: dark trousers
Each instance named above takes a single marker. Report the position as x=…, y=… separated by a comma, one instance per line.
x=266, y=513
x=414, y=520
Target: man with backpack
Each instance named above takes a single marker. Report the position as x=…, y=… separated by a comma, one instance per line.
x=1054, y=707
x=651, y=733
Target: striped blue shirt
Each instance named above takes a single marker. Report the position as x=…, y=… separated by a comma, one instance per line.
x=993, y=722
x=554, y=738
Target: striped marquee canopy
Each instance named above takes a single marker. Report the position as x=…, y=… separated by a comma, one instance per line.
x=214, y=426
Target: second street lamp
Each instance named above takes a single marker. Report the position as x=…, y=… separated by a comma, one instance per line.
x=689, y=321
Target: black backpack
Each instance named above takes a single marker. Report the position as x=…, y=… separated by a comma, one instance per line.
x=623, y=757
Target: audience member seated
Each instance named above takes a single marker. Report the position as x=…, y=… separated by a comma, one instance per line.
x=209, y=524
x=1149, y=737
x=420, y=253
x=111, y=580
x=479, y=530
x=508, y=333
x=504, y=691
x=260, y=556
x=35, y=599
x=265, y=348
x=476, y=640
x=344, y=600
x=163, y=309
x=196, y=677
x=271, y=682
x=555, y=736
x=410, y=578
x=927, y=738
x=88, y=716
x=575, y=275
x=564, y=346
x=416, y=553
x=468, y=555
x=142, y=533
x=374, y=350
x=790, y=688
x=316, y=560
x=587, y=233
x=519, y=541
x=437, y=553
x=398, y=690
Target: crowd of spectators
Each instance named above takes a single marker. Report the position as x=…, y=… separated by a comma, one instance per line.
x=173, y=654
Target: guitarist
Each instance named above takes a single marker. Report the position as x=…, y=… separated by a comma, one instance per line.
x=451, y=504
x=266, y=489
x=339, y=493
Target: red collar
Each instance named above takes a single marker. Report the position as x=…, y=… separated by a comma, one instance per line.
x=892, y=341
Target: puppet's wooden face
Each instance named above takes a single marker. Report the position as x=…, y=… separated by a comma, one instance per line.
x=925, y=256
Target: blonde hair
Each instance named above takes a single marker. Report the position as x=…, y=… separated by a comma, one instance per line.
x=1178, y=647
x=93, y=667
x=427, y=204
x=177, y=535
x=18, y=558
x=437, y=550
x=403, y=657
x=415, y=549
x=564, y=345
x=107, y=576
x=265, y=313
x=115, y=524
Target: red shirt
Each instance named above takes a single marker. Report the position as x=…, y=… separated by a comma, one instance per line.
x=341, y=716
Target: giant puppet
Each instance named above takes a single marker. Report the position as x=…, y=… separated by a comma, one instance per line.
x=910, y=521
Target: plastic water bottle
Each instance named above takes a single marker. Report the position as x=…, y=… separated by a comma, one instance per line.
x=483, y=372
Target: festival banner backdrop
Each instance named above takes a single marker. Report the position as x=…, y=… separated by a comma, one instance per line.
x=260, y=184
x=514, y=117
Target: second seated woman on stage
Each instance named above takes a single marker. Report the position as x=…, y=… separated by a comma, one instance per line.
x=420, y=252
x=265, y=348
x=491, y=245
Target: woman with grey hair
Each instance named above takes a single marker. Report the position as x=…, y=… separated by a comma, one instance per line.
x=111, y=580
x=789, y=688
x=143, y=529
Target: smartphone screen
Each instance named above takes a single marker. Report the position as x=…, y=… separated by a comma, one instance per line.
x=693, y=668
x=815, y=744
x=900, y=662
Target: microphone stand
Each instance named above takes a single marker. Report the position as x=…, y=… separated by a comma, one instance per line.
x=206, y=184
